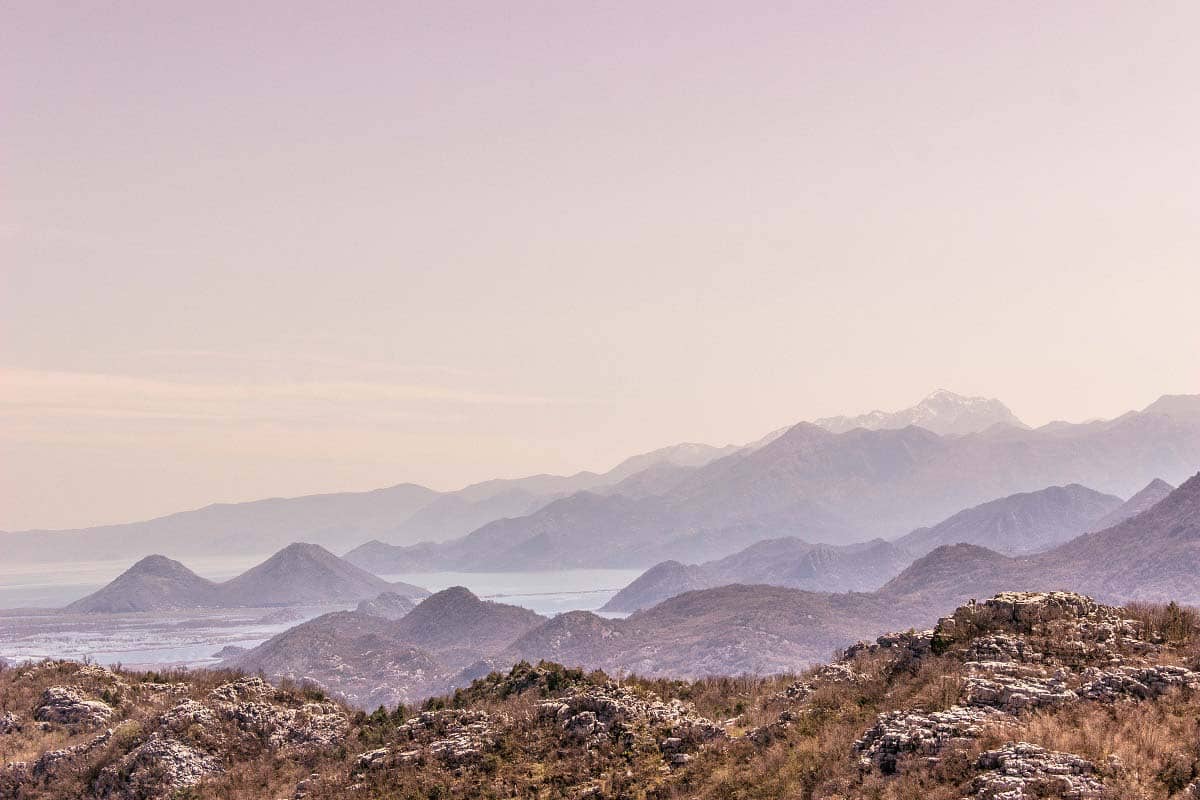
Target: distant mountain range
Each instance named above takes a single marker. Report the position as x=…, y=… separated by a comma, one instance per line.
x=1022, y=523
x=453, y=636
x=822, y=487
x=299, y=574
x=840, y=481
x=1152, y=556
x=406, y=513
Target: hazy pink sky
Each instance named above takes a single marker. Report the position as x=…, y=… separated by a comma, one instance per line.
x=308, y=247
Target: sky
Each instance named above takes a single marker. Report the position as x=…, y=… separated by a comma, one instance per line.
x=272, y=249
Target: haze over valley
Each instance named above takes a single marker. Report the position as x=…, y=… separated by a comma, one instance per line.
x=599, y=401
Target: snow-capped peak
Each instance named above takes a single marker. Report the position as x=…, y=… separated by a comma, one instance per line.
x=943, y=412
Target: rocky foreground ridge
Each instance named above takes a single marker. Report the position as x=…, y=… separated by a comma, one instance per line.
x=1024, y=695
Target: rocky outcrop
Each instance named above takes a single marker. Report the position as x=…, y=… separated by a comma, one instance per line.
x=898, y=734
x=595, y=713
x=182, y=716
x=451, y=737
x=54, y=763
x=156, y=768
x=247, y=703
x=66, y=705
x=1022, y=771
x=1019, y=651
x=9, y=723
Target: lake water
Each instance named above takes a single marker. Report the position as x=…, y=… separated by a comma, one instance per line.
x=547, y=593
x=192, y=638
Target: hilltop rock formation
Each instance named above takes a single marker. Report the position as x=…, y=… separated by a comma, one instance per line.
x=157, y=768
x=67, y=705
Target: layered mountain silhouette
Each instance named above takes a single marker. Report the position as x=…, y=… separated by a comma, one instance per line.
x=300, y=574
x=1021, y=523
x=735, y=628
x=1152, y=556
x=406, y=513
x=786, y=562
x=822, y=487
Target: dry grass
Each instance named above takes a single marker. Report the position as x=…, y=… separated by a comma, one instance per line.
x=1146, y=750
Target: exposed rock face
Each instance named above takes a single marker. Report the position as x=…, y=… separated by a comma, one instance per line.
x=613, y=711
x=452, y=737
x=53, y=763
x=1022, y=771
x=899, y=733
x=9, y=723
x=66, y=705
x=156, y=768
x=312, y=726
x=187, y=713
x=1020, y=652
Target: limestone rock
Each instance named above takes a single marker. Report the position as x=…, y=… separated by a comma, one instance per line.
x=900, y=733
x=1022, y=771
x=187, y=713
x=9, y=723
x=157, y=768
x=68, y=706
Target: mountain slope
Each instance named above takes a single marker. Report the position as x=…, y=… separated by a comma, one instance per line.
x=1144, y=500
x=663, y=580
x=156, y=583
x=304, y=573
x=462, y=628
x=351, y=654
x=1022, y=523
x=374, y=660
